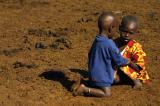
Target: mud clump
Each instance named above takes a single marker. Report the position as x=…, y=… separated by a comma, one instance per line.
x=18, y=64
x=18, y=4
x=41, y=32
x=61, y=43
x=38, y=3
x=85, y=20
x=153, y=15
x=40, y=45
x=44, y=32
x=10, y=52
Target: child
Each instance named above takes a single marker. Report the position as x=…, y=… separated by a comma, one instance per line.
x=132, y=50
x=103, y=56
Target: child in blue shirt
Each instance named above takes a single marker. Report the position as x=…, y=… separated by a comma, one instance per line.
x=103, y=56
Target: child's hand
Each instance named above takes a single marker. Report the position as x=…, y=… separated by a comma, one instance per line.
x=134, y=67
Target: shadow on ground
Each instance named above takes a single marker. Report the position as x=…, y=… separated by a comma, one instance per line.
x=58, y=75
x=83, y=73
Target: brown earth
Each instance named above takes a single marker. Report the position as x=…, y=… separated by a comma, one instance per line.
x=44, y=46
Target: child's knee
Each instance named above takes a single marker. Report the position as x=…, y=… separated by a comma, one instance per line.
x=107, y=94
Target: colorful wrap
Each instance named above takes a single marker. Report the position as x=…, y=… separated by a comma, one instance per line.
x=135, y=53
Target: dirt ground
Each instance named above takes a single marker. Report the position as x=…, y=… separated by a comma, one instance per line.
x=44, y=46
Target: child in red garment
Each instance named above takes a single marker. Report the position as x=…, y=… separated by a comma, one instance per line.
x=132, y=50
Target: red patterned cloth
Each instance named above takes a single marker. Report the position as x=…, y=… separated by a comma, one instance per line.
x=135, y=53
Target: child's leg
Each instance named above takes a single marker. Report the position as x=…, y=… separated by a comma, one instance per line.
x=124, y=77
x=137, y=84
x=117, y=79
x=101, y=92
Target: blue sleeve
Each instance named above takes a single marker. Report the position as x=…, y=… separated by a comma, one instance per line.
x=117, y=57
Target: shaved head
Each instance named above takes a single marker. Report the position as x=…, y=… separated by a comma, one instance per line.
x=129, y=21
x=105, y=20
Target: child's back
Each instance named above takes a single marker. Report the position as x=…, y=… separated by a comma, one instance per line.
x=102, y=57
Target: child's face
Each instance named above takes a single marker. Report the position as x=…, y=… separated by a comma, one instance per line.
x=128, y=32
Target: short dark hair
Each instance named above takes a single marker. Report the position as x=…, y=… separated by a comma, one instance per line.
x=128, y=19
x=101, y=19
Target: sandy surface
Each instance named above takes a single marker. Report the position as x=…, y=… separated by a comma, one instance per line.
x=44, y=46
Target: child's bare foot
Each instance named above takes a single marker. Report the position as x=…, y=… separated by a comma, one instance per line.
x=76, y=84
x=137, y=84
x=80, y=90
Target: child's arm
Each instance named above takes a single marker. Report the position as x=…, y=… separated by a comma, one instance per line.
x=120, y=61
x=117, y=58
x=134, y=66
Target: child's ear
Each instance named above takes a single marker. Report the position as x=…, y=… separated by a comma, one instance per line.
x=110, y=29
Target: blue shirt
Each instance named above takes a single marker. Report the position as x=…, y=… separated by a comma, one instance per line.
x=103, y=56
